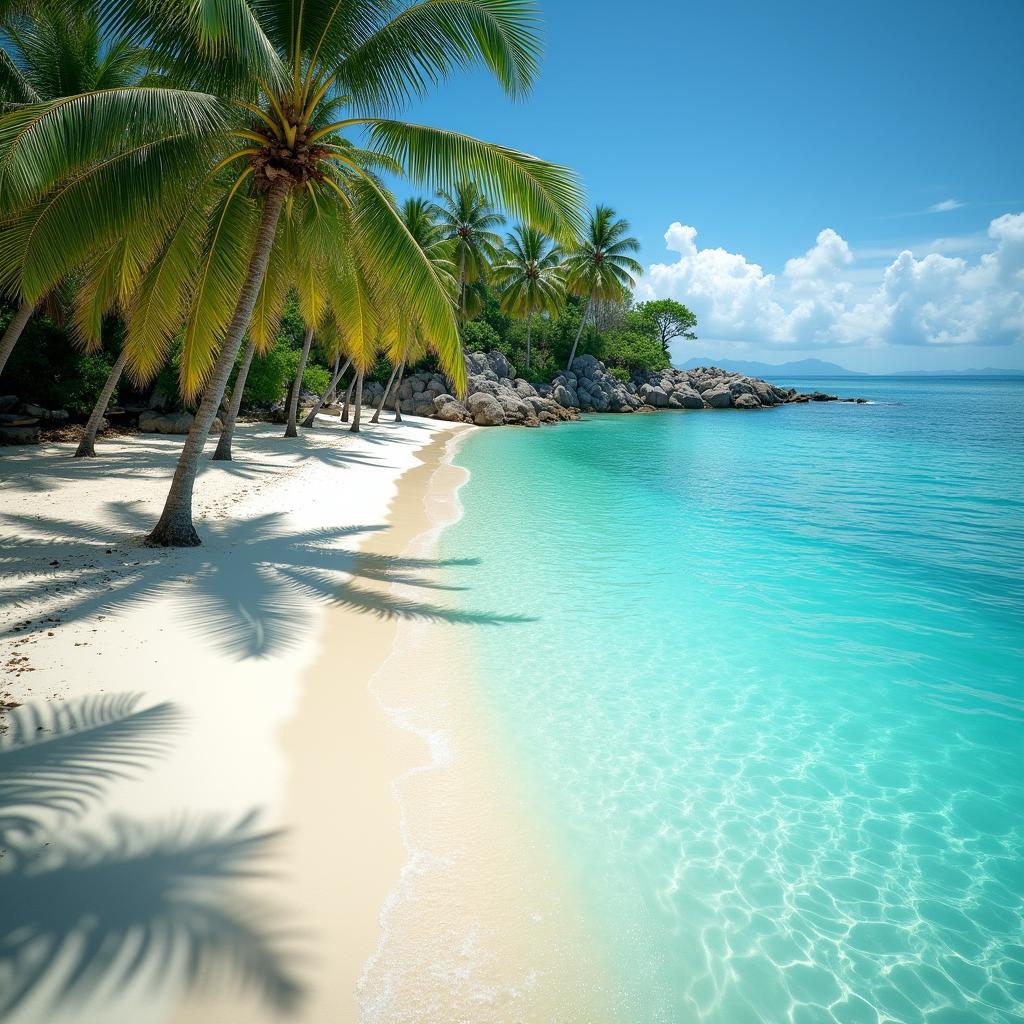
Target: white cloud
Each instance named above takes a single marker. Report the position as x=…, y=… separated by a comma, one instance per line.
x=945, y=206
x=821, y=300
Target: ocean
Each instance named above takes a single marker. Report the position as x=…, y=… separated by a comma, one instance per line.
x=768, y=695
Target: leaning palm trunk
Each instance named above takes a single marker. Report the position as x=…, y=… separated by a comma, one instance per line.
x=13, y=332
x=358, y=404
x=384, y=397
x=579, y=333
x=293, y=402
x=223, y=452
x=348, y=399
x=331, y=390
x=331, y=396
x=398, y=396
x=87, y=446
x=174, y=528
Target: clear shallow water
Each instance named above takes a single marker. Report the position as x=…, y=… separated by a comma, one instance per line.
x=772, y=703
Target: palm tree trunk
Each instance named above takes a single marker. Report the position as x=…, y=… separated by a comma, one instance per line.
x=462, y=283
x=13, y=332
x=293, y=401
x=384, y=397
x=579, y=333
x=357, y=410
x=174, y=528
x=331, y=390
x=331, y=395
x=87, y=446
x=529, y=329
x=223, y=451
x=398, y=397
x=343, y=418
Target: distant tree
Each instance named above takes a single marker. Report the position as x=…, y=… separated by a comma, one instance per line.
x=528, y=275
x=666, y=319
x=599, y=266
x=467, y=221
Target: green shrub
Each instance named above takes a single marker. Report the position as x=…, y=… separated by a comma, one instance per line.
x=315, y=378
x=620, y=374
x=46, y=369
x=633, y=352
x=480, y=336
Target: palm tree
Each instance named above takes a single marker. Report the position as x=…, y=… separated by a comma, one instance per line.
x=405, y=337
x=51, y=52
x=258, y=131
x=599, y=268
x=528, y=275
x=467, y=221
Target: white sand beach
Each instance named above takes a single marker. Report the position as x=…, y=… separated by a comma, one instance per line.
x=243, y=776
x=225, y=636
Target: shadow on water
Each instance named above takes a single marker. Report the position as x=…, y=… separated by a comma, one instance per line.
x=91, y=909
x=246, y=590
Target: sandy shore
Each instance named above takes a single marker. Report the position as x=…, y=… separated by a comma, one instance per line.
x=234, y=798
x=258, y=781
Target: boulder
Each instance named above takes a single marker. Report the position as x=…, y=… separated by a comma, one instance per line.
x=485, y=409
x=171, y=423
x=447, y=407
x=718, y=397
x=654, y=395
x=565, y=397
x=19, y=435
x=746, y=402
x=8, y=402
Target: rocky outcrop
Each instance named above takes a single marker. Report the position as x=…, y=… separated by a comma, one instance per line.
x=495, y=396
x=151, y=422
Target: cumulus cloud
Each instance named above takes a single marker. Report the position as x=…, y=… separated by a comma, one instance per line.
x=821, y=300
x=945, y=206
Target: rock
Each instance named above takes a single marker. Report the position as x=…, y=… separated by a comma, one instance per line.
x=718, y=398
x=485, y=409
x=819, y=396
x=8, y=402
x=19, y=435
x=151, y=422
x=688, y=397
x=565, y=397
x=654, y=395
x=746, y=402
x=447, y=407
x=35, y=410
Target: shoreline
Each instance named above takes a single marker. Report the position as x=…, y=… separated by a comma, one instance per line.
x=232, y=636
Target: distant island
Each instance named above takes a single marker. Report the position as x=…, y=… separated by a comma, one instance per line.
x=821, y=368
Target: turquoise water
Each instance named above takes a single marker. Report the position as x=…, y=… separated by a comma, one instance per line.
x=771, y=704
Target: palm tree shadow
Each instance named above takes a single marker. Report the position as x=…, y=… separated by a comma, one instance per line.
x=247, y=590
x=127, y=902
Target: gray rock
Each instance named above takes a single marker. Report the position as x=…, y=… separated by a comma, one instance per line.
x=151, y=422
x=718, y=397
x=565, y=397
x=746, y=402
x=8, y=402
x=654, y=395
x=485, y=409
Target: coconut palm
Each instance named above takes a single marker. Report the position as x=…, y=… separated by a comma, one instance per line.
x=599, y=267
x=405, y=336
x=468, y=221
x=265, y=134
x=528, y=276
x=51, y=52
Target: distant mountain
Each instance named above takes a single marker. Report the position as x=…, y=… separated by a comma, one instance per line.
x=987, y=371
x=795, y=368
x=819, y=368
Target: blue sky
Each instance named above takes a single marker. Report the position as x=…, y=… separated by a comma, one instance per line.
x=755, y=127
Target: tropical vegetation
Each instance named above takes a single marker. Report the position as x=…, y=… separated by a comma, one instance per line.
x=196, y=213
